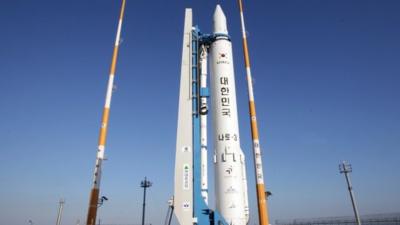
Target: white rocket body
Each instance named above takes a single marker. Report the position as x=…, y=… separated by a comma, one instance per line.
x=230, y=173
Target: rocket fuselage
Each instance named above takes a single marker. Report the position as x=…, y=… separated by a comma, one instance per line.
x=230, y=177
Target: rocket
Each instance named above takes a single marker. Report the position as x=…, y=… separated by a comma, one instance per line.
x=229, y=160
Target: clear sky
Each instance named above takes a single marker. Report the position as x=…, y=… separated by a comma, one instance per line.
x=327, y=79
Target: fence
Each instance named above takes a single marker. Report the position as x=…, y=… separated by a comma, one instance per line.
x=375, y=219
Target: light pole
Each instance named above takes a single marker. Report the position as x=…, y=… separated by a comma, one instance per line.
x=60, y=211
x=144, y=184
x=345, y=168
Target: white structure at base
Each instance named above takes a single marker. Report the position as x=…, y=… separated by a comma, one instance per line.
x=183, y=192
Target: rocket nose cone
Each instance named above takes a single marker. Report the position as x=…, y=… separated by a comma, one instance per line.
x=220, y=21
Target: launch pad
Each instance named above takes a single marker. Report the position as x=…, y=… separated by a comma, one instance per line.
x=190, y=200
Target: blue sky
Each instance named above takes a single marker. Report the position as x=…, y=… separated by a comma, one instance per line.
x=326, y=77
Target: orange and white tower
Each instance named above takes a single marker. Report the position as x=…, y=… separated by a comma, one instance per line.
x=261, y=198
x=94, y=194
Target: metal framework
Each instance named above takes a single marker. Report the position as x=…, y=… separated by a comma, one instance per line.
x=201, y=211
